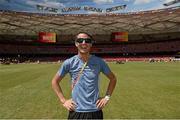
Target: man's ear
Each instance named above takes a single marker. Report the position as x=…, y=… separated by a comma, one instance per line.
x=76, y=44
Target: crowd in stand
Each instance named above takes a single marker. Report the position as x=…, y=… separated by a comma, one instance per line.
x=60, y=52
x=153, y=47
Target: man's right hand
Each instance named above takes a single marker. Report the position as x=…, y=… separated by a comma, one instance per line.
x=69, y=105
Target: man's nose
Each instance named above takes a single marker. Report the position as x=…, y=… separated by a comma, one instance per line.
x=83, y=42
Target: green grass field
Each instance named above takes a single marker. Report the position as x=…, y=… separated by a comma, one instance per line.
x=144, y=90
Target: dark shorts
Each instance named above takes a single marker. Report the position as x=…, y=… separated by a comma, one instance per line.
x=85, y=115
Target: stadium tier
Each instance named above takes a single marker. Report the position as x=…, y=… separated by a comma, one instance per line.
x=149, y=32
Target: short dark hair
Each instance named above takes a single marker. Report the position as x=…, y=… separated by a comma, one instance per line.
x=83, y=33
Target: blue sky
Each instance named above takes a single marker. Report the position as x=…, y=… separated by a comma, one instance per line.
x=131, y=5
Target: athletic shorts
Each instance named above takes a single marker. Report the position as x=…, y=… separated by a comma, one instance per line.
x=85, y=115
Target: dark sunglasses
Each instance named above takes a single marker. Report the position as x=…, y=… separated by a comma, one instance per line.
x=87, y=40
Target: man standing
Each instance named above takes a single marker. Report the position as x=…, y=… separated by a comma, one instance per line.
x=84, y=70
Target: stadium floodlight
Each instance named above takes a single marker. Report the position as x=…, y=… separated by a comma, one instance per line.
x=171, y=2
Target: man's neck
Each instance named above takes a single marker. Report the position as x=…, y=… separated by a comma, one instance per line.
x=84, y=57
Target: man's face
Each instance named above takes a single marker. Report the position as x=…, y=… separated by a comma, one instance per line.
x=83, y=43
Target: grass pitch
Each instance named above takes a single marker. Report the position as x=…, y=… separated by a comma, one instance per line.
x=144, y=90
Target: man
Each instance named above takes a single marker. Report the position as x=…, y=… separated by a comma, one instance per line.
x=84, y=70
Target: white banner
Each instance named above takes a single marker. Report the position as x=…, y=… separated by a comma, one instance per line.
x=69, y=9
x=46, y=8
x=116, y=8
x=87, y=8
x=77, y=8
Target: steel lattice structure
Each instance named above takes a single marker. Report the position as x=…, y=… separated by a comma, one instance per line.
x=161, y=21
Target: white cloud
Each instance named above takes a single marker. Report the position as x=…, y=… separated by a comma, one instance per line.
x=167, y=1
x=31, y=3
x=46, y=3
x=158, y=6
x=103, y=1
x=54, y=4
x=137, y=2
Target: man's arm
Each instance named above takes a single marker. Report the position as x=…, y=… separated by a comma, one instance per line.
x=112, y=83
x=56, y=87
x=68, y=104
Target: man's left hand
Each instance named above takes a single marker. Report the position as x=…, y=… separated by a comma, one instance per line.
x=101, y=103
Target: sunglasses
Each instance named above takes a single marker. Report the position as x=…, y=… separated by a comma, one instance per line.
x=87, y=40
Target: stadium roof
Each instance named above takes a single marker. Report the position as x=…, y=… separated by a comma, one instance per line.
x=57, y=6
x=154, y=21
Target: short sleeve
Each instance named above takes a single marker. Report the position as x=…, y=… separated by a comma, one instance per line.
x=64, y=68
x=104, y=67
